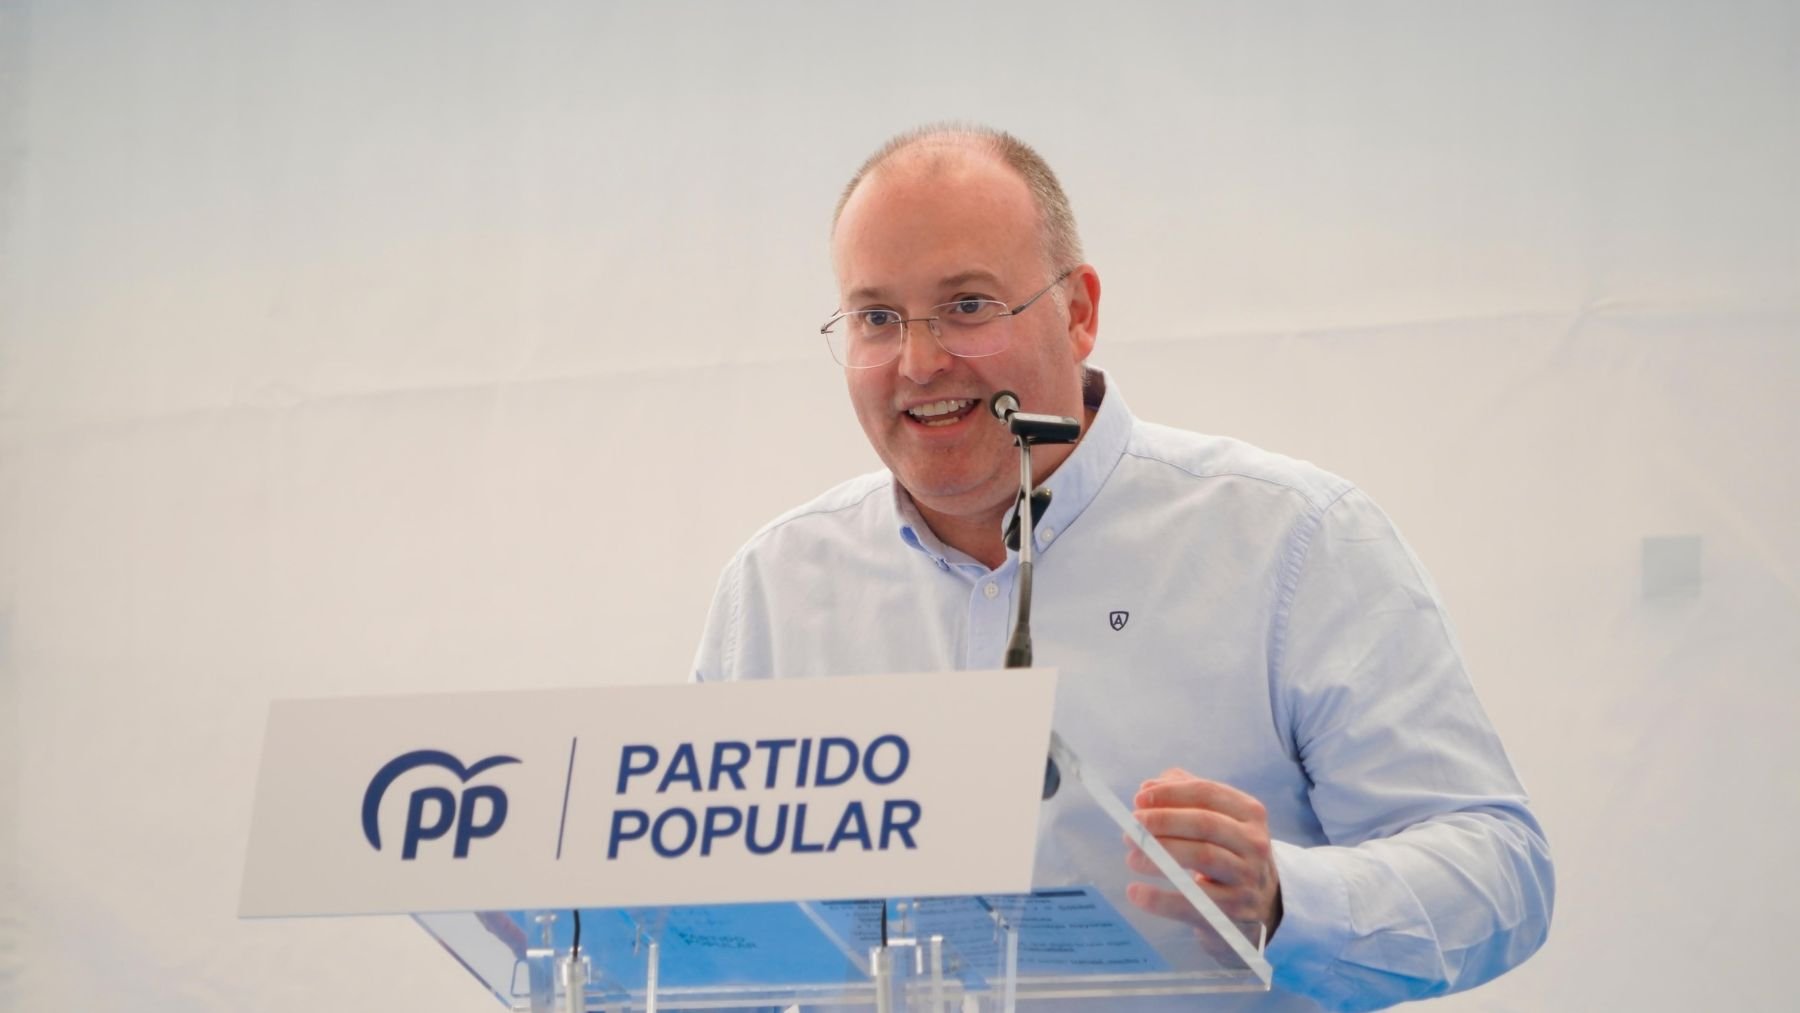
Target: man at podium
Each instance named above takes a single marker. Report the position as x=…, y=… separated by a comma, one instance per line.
x=1243, y=636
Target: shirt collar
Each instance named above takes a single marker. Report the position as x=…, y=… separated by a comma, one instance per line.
x=1072, y=486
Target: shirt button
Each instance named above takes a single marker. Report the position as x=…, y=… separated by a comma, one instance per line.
x=991, y=590
x=1045, y=534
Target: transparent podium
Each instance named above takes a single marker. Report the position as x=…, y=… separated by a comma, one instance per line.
x=1078, y=935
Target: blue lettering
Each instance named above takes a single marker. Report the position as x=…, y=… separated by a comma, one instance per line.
x=690, y=829
x=800, y=771
x=750, y=841
x=901, y=760
x=800, y=845
x=823, y=777
x=628, y=769
x=899, y=816
x=416, y=830
x=851, y=826
x=681, y=768
x=728, y=768
x=467, y=829
x=640, y=825
x=731, y=818
x=773, y=747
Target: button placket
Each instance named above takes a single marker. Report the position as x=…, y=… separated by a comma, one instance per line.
x=990, y=608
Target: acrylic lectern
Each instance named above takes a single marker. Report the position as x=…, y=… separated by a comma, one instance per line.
x=1077, y=935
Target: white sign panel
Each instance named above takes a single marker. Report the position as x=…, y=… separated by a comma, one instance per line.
x=788, y=789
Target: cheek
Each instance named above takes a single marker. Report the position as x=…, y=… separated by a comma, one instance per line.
x=869, y=396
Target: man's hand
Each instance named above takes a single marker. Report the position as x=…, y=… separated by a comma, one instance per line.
x=1217, y=832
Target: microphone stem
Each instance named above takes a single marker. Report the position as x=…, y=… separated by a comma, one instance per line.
x=1018, y=649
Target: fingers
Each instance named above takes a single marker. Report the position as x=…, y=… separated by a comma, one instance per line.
x=1190, y=824
x=1210, y=861
x=1219, y=834
x=1177, y=789
x=1180, y=830
x=1237, y=903
x=1162, y=903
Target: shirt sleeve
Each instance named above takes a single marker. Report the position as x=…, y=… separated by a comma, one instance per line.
x=712, y=659
x=1436, y=876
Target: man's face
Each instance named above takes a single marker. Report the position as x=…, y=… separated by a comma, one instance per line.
x=913, y=237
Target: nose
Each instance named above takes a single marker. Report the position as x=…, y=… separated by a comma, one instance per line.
x=922, y=358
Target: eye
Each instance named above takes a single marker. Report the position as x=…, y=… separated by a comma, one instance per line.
x=876, y=319
x=969, y=310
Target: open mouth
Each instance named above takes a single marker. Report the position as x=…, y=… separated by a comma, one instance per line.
x=938, y=414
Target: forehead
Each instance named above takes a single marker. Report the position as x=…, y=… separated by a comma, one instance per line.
x=921, y=219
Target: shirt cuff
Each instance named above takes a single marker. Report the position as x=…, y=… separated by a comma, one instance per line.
x=1315, y=918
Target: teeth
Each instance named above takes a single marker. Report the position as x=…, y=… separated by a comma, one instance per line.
x=926, y=412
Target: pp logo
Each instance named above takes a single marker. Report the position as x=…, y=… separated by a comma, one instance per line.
x=470, y=817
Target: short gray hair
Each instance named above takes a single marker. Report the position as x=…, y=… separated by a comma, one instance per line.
x=1056, y=220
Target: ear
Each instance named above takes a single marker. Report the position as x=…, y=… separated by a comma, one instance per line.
x=1084, y=310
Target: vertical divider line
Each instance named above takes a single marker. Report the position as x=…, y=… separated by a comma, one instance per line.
x=568, y=781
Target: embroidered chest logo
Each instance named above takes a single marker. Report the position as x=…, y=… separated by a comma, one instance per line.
x=1119, y=619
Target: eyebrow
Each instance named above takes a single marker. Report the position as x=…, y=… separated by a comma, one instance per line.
x=957, y=280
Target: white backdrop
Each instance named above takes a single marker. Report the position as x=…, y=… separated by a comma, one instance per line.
x=357, y=347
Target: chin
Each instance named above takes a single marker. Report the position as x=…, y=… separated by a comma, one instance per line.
x=956, y=494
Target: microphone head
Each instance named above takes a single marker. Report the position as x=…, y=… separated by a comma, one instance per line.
x=1003, y=404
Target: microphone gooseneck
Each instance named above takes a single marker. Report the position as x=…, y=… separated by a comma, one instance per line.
x=1029, y=429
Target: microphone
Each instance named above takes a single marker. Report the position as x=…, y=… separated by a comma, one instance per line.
x=1004, y=404
x=1032, y=429
x=1027, y=430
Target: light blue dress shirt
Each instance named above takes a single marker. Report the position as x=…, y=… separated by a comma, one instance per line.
x=1273, y=632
